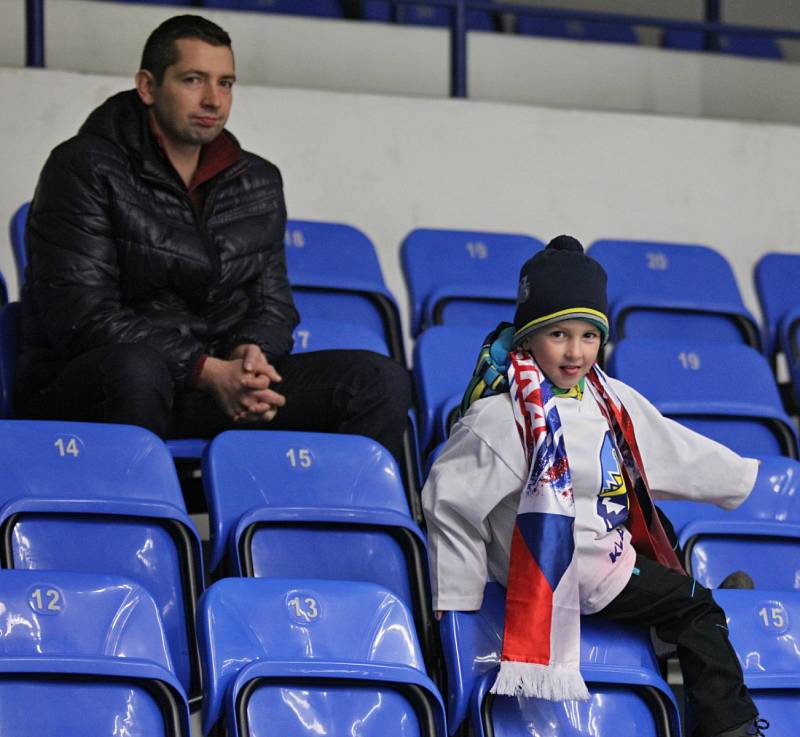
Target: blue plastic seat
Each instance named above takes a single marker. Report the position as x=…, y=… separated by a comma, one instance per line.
x=764, y=47
x=763, y=627
x=103, y=498
x=315, y=334
x=313, y=505
x=282, y=654
x=673, y=290
x=627, y=694
x=725, y=391
x=425, y=15
x=578, y=30
x=77, y=651
x=463, y=277
x=444, y=359
x=9, y=347
x=16, y=233
x=334, y=270
x=762, y=531
x=776, y=277
x=318, y=8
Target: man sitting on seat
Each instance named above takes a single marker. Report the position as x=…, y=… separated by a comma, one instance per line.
x=156, y=291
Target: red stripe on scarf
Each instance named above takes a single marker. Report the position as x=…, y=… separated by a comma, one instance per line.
x=650, y=540
x=529, y=608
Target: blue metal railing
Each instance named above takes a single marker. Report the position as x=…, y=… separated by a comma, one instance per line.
x=712, y=28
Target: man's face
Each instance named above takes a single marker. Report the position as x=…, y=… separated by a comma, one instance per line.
x=192, y=103
x=565, y=351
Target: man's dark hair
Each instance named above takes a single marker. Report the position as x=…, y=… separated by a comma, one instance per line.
x=160, y=50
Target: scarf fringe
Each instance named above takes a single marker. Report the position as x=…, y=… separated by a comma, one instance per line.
x=540, y=681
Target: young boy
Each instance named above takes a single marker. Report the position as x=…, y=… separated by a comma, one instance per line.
x=548, y=488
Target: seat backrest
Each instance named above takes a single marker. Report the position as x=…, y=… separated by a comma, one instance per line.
x=56, y=614
x=76, y=648
x=444, y=266
x=444, y=359
x=314, y=334
x=322, y=254
x=764, y=47
x=334, y=270
x=16, y=231
x=776, y=278
x=696, y=380
x=673, y=290
x=318, y=8
x=764, y=627
x=9, y=348
x=248, y=470
x=579, y=30
x=303, y=628
x=425, y=15
x=472, y=642
x=93, y=497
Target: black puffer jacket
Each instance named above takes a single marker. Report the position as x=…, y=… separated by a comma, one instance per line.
x=116, y=253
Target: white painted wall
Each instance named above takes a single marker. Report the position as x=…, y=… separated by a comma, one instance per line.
x=354, y=56
x=12, y=33
x=390, y=164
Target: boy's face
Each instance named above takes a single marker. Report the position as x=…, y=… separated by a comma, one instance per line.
x=565, y=350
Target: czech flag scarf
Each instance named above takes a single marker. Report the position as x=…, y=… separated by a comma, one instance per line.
x=541, y=640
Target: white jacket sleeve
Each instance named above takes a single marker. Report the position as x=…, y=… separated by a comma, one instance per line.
x=682, y=464
x=466, y=483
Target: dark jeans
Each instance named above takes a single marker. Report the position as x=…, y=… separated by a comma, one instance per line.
x=684, y=613
x=356, y=392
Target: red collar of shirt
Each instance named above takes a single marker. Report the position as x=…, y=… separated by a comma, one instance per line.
x=214, y=157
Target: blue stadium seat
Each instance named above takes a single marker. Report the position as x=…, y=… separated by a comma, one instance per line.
x=764, y=631
x=334, y=270
x=753, y=537
x=776, y=277
x=444, y=359
x=9, y=341
x=80, y=650
x=315, y=334
x=312, y=505
x=318, y=8
x=463, y=277
x=425, y=15
x=103, y=498
x=179, y=3
x=723, y=390
x=578, y=30
x=282, y=654
x=673, y=291
x=628, y=697
x=16, y=233
x=764, y=47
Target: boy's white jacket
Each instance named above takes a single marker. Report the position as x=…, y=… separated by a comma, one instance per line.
x=472, y=493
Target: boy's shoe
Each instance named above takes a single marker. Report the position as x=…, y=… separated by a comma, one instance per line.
x=737, y=580
x=748, y=729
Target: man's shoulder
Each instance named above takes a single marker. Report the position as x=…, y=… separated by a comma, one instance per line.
x=258, y=166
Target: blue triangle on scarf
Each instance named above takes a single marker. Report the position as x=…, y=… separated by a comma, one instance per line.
x=549, y=539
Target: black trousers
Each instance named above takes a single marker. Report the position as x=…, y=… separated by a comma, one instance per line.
x=685, y=614
x=356, y=392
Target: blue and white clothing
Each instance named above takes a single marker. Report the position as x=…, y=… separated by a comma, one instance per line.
x=471, y=496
